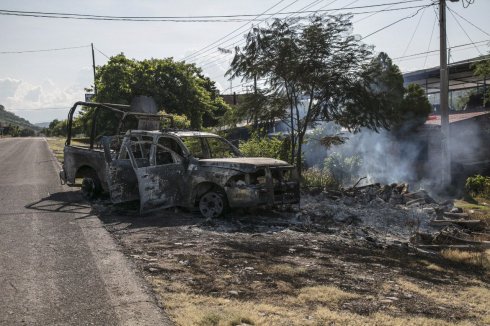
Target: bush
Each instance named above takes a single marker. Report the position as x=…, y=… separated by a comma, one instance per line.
x=478, y=185
x=264, y=147
x=342, y=168
x=315, y=177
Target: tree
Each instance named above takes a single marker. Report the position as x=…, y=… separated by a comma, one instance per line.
x=482, y=69
x=322, y=65
x=177, y=88
x=414, y=109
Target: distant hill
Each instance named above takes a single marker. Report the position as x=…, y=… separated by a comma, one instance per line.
x=42, y=124
x=7, y=118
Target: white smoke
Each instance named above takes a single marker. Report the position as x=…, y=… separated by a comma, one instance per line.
x=384, y=158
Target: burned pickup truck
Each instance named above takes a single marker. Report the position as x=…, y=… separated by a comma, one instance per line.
x=166, y=168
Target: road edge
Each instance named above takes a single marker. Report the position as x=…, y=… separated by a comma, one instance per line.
x=132, y=300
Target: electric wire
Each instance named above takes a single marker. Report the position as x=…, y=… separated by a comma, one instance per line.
x=467, y=35
x=396, y=22
x=219, y=58
x=241, y=41
x=356, y=13
x=430, y=40
x=43, y=14
x=469, y=22
x=231, y=33
x=414, y=32
x=432, y=51
x=102, y=53
x=45, y=50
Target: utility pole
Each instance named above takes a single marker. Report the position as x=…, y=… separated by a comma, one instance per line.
x=93, y=67
x=444, y=92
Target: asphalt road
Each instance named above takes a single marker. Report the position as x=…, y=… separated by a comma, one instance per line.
x=58, y=265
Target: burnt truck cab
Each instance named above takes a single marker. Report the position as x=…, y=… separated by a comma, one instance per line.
x=194, y=169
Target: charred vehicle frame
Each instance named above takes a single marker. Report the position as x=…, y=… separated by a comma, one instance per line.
x=166, y=168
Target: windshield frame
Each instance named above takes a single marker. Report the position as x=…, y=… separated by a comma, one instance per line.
x=206, y=148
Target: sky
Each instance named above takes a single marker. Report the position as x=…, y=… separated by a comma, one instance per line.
x=42, y=86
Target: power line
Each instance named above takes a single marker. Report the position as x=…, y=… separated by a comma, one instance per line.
x=396, y=22
x=308, y=6
x=432, y=51
x=43, y=14
x=102, y=53
x=231, y=33
x=45, y=50
x=469, y=22
x=239, y=30
x=414, y=31
x=462, y=28
x=430, y=40
x=39, y=109
x=218, y=58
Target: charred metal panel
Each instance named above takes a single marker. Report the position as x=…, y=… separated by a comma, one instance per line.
x=160, y=186
x=123, y=184
x=77, y=157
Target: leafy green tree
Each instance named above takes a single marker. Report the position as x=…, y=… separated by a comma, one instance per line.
x=57, y=128
x=482, y=69
x=177, y=88
x=414, y=108
x=374, y=98
x=27, y=132
x=323, y=65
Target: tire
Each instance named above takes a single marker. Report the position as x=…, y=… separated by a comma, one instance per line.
x=212, y=204
x=91, y=187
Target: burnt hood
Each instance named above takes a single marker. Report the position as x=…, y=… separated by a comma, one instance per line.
x=246, y=164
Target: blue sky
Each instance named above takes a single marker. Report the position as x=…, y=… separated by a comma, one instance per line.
x=41, y=86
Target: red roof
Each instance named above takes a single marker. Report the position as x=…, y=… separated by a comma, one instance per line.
x=454, y=117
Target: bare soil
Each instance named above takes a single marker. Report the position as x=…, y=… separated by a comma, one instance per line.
x=272, y=268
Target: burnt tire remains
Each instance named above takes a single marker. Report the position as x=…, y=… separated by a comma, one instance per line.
x=91, y=187
x=212, y=204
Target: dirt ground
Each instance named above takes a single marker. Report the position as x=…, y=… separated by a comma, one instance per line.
x=267, y=268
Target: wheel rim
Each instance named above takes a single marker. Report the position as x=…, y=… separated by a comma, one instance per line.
x=211, y=205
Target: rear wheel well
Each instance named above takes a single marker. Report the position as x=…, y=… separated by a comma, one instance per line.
x=85, y=171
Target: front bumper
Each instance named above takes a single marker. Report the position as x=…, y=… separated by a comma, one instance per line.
x=258, y=195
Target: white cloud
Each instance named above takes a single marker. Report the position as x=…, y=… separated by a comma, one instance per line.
x=22, y=95
x=8, y=87
x=40, y=102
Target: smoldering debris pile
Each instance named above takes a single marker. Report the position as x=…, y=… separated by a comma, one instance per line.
x=390, y=213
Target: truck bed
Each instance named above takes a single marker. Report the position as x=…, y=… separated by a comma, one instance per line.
x=77, y=158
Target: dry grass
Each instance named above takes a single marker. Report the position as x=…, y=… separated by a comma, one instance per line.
x=479, y=209
x=56, y=144
x=473, y=299
x=477, y=259
x=324, y=294
x=285, y=269
x=190, y=309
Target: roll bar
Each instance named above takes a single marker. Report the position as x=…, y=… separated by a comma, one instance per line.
x=116, y=108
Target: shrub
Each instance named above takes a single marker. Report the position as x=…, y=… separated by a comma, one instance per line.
x=315, y=177
x=478, y=185
x=263, y=147
x=342, y=168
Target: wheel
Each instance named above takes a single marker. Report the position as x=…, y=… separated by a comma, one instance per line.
x=91, y=186
x=212, y=204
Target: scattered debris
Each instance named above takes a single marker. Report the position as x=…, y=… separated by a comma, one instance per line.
x=391, y=214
